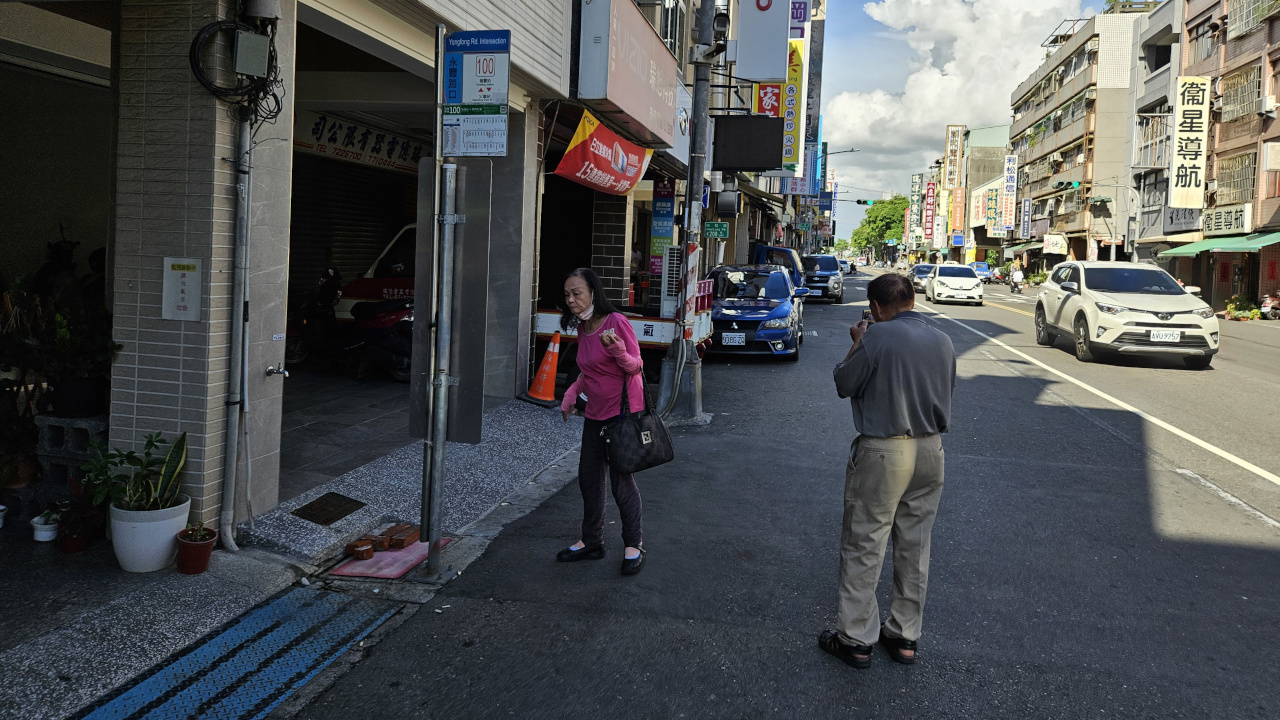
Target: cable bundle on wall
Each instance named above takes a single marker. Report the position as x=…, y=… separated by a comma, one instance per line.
x=257, y=95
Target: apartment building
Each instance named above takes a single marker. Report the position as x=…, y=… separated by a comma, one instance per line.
x=1236, y=43
x=985, y=150
x=1072, y=124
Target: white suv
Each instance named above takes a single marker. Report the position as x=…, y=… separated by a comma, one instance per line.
x=1119, y=307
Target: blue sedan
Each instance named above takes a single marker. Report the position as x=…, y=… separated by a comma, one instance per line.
x=756, y=310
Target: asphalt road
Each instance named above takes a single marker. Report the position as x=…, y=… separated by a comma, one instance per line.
x=1093, y=557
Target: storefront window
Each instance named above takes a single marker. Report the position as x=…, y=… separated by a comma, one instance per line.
x=672, y=29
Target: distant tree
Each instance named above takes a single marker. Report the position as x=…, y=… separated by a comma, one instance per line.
x=882, y=222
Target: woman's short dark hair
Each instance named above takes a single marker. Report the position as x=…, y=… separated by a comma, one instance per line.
x=598, y=300
x=891, y=291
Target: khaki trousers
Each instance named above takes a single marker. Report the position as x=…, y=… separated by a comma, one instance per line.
x=891, y=485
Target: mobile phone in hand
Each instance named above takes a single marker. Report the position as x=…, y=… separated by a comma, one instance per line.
x=866, y=315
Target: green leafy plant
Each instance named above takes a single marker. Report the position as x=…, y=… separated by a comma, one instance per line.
x=137, y=482
x=1242, y=307
x=197, y=532
x=1037, y=278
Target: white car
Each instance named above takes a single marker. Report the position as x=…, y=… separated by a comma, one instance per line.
x=1118, y=307
x=953, y=283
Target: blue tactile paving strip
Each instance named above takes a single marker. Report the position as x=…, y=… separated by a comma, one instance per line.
x=254, y=664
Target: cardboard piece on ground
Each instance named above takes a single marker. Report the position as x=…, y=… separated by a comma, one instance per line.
x=389, y=564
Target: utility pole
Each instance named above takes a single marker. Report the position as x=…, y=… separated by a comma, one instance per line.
x=680, y=392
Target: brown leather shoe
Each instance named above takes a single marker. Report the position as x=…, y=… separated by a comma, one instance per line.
x=858, y=656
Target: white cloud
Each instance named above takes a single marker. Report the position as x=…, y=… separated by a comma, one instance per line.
x=969, y=56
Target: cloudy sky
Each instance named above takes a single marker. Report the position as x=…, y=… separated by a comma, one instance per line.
x=897, y=72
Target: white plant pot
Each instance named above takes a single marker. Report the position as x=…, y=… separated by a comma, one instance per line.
x=45, y=532
x=147, y=540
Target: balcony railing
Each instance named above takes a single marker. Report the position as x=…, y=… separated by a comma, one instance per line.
x=1151, y=138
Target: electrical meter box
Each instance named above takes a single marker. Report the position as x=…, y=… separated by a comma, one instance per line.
x=252, y=53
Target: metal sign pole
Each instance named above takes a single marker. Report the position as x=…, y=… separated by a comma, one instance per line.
x=428, y=460
x=433, y=501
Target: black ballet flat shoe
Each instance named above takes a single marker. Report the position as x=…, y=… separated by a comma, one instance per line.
x=858, y=656
x=595, y=552
x=631, y=566
x=895, y=646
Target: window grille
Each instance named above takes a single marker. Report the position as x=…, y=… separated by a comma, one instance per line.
x=1245, y=16
x=1203, y=42
x=1237, y=178
x=1072, y=201
x=1151, y=141
x=1242, y=93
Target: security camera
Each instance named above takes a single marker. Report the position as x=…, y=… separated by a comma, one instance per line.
x=720, y=26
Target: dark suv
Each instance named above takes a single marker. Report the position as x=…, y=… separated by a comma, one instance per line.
x=823, y=277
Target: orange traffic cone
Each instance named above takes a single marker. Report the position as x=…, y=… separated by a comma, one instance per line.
x=543, y=390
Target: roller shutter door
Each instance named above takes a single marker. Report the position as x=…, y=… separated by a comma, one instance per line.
x=343, y=214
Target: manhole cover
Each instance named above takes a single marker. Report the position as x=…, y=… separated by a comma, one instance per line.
x=328, y=509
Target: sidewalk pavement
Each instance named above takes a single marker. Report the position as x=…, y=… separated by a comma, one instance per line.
x=73, y=627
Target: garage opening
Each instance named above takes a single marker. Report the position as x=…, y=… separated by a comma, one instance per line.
x=361, y=126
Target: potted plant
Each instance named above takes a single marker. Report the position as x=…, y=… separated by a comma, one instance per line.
x=79, y=521
x=79, y=360
x=1240, y=307
x=195, y=545
x=45, y=526
x=147, y=511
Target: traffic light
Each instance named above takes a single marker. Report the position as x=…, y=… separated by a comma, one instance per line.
x=865, y=202
x=1064, y=185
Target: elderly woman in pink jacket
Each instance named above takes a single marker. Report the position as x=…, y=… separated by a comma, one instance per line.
x=608, y=356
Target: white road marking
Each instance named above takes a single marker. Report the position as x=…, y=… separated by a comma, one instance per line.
x=1238, y=461
x=1231, y=499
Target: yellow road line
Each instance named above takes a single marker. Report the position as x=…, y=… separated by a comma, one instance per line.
x=1006, y=307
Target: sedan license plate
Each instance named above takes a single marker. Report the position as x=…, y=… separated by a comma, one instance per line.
x=1169, y=336
x=739, y=339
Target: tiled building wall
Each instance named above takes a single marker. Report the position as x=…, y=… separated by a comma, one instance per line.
x=611, y=244
x=176, y=197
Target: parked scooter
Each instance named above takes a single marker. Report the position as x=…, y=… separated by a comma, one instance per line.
x=384, y=336
x=1270, y=306
x=312, y=330
x=382, y=333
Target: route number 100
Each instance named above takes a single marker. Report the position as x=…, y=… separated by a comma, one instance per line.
x=485, y=65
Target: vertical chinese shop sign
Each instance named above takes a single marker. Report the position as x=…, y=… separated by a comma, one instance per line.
x=663, y=222
x=1190, y=142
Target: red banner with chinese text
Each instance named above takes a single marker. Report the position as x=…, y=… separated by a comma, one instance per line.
x=600, y=158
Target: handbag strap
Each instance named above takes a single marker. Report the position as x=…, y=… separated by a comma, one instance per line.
x=624, y=408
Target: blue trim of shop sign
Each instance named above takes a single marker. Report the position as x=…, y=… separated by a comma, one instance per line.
x=468, y=41
x=957, y=240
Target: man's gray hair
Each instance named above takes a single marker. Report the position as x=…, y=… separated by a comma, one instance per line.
x=891, y=291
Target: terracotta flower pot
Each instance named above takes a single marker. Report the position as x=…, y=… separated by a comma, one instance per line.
x=193, y=555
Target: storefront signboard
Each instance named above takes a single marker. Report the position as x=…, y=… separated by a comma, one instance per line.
x=958, y=199
x=917, y=188
x=662, y=223
x=180, y=289
x=993, y=212
x=1024, y=229
x=1178, y=220
x=767, y=99
x=813, y=99
x=793, y=105
x=357, y=142
x=627, y=72
x=1191, y=109
x=1009, y=194
x=763, y=30
x=930, y=197
x=954, y=157
x=1055, y=244
x=943, y=204
x=476, y=82
x=600, y=158
x=1228, y=220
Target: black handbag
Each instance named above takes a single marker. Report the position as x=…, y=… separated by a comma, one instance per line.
x=637, y=441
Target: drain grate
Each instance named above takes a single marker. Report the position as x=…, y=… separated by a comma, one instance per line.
x=254, y=664
x=328, y=509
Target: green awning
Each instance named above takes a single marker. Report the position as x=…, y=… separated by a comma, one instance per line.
x=1250, y=243
x=1195, y=248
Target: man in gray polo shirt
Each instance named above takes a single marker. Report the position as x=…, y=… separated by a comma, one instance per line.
x=900, y=375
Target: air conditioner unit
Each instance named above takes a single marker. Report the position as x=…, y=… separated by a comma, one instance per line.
x=1055, y=157
x=1217, y=104
x=1211, y=186
x=670, y=280
x=1093, y=45
x=1091, y=94
x=1268, y=107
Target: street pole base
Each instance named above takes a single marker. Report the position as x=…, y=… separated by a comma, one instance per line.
x=688, y=405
